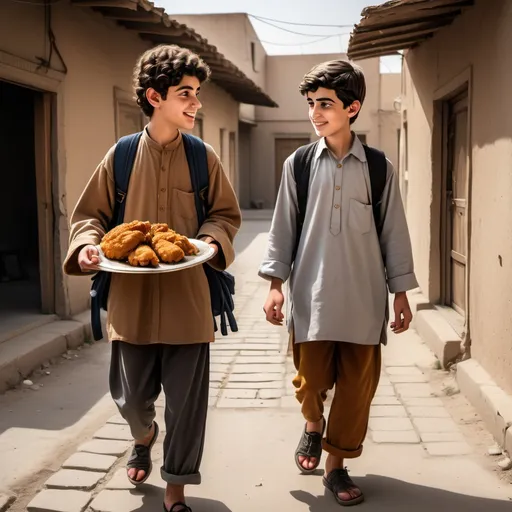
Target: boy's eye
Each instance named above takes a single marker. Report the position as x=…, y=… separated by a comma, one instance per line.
x=325, y=105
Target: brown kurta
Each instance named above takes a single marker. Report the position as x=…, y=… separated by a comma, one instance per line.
x=174, y=307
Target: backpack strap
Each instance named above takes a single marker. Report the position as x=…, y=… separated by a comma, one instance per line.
x=301, y=172
x=197, y=159
x=377, y=167
x=124, y=157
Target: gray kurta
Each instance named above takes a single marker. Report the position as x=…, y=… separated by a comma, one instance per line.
x=338, y=281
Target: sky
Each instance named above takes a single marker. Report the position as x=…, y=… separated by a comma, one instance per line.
x=311, y=27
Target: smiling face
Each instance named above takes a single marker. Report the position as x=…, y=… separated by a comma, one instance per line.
x=328, y=114
x=179, y=108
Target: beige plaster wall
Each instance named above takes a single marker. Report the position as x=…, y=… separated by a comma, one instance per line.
x=478, y=43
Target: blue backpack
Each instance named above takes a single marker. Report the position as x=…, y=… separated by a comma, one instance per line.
x=222, y=284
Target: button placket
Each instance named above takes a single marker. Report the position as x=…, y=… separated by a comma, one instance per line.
x=336, y=210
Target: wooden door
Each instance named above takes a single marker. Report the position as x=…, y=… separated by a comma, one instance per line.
x=283, y=149
x=457, y=204
x=44, y=184
x=232, y=161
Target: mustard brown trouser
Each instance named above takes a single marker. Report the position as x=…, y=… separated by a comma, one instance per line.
x=355, y=371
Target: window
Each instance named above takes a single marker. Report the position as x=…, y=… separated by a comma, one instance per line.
x=253, y=56
x=128, y=115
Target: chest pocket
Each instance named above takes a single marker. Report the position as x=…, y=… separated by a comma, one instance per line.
x=360, y=216
x=183, y=212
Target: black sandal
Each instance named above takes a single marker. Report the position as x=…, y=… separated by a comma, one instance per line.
x=310, y=445
x=338, y=481
x=140, y=459
x=179, y=504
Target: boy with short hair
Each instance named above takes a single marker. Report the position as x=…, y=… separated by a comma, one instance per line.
x=161, y=325
x=338, y=271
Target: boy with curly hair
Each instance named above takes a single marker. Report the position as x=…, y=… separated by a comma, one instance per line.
x=348, y=251
x=160, y=325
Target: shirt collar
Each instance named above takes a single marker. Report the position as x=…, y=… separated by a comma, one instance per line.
x=157, y=147
x=356, y=149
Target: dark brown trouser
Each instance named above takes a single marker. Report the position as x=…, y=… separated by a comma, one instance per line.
x=137, y=375
x=355, y=371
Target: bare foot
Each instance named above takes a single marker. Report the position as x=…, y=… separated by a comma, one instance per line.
x=175, y=494
x=139, y=474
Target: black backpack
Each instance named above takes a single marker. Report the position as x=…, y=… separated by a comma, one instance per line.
x=377, y=166
x=222, y=284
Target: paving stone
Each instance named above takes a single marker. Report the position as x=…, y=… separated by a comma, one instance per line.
x=290, y=402
x=251, y=346
x=401, y=437
x=441, y=437
x=74, y=479
x=428, y=412
x=257, y=368
x=220, y=368
x=272, y=352
x=390, y=424
x=384, y=381
x=105, y=447
x=222, y=359
x=90, y=461
x=213, y=393
x=383, y=400
x=273, y=384
x=253, y=377
x=397, y=379
x=270, y=393
x=224, y=352
x=385, y=391
x=246, y=404
x=5, y=501
x=116, y=432
x=260, y=360
x=263, y=336
x=240, y=393
x=388, y=411
x=414, y=390
x=422, y=402
x=217, y=377
x=450, y=448
x=403, y=370
x=117, y=420
x=119, y=481
x=53, y=500
x=117, y=501
x=255, y=353
x=435, y=425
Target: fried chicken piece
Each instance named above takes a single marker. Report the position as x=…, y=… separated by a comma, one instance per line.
x=119, y=242
x=143, y=256
x=186, y=245
x=158, y=228
x=167, y=251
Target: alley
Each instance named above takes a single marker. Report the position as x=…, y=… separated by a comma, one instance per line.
x=425, y=450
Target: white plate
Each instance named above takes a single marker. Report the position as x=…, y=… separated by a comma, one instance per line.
x=120, y=267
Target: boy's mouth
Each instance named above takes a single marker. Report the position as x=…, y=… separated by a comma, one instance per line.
x=319, y=124
x=190, y=115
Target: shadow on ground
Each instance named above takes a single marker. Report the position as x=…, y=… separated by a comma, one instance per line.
x=388, y=494
x=152, y=501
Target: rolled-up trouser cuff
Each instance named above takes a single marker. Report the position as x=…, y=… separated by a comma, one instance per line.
x=339, y=452
x=192, y=479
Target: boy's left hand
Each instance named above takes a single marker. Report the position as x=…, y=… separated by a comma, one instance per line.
x=403, y=314
x=209, y=240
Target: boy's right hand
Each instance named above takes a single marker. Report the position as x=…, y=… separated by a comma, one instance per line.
x=88, y=258
x=273, y=307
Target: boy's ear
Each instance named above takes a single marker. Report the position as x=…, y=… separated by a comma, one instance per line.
x=153, y=97
x=354, y=108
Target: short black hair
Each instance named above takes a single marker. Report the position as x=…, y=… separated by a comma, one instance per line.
x=345, y=78
x=162, y=67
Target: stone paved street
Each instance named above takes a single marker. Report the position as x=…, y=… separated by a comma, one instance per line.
x=418, y=455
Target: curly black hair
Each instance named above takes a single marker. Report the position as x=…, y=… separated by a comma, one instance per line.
x=345, y=78
x=162, y=67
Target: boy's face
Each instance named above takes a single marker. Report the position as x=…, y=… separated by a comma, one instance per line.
x=180, y=107
x=327, y=113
